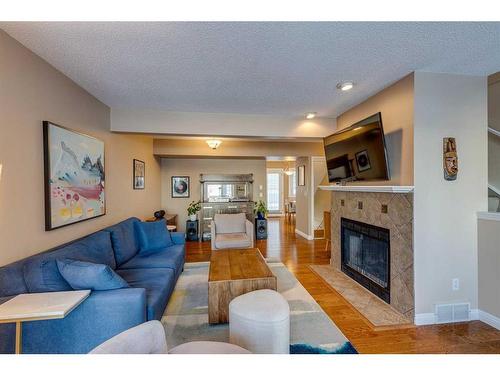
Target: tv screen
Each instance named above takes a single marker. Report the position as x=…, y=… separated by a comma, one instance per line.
x=358, y=152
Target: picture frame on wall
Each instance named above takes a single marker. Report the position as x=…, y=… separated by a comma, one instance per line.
x=301, y=175
x=74, y=176
x=180, y=187
x=139, y=174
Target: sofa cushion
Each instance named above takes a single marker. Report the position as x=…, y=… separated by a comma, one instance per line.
x=230, y=223
x=124, y=240
x=159, y=284
x=42, y=275
x=232, y=240
x=169, y=257
x=153, y=235
x=12, y=279
x=86, y=275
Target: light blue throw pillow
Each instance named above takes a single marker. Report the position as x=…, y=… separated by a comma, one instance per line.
x=86, y=275
x=153, y=235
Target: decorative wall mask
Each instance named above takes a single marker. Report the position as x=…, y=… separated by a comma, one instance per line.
x=450, y=159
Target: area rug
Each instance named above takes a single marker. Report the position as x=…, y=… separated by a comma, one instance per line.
x=312, y=331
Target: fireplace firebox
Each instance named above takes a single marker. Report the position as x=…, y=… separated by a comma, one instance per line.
x=365, y=256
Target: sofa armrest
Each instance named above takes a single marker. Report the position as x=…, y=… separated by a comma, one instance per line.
x=179, y=238
x=250, y=231
x=101, y=316
x=212, y=234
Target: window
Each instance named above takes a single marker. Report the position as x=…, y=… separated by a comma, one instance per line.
x=292, y=185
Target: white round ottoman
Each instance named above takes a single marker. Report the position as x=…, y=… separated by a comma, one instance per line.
x=260, y=322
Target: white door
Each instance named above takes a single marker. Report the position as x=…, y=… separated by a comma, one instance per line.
x=275, y=191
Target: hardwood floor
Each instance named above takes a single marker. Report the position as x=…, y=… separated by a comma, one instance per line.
x=297, y=253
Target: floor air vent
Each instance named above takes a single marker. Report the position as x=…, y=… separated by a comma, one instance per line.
x=450, y=313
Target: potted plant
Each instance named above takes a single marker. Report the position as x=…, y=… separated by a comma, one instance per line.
x=261, y=210
x=192, y=209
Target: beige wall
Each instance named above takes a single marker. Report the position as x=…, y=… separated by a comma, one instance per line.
x=31, y=91
x=235, y=148
x=489, y=267
x=396, y=104
x=304, y=201
x=193, y=168
x=445, y=225
x=322, y=198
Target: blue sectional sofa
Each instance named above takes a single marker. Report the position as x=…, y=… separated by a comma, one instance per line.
x=151, y=277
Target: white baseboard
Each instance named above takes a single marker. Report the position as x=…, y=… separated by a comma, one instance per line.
x=425, y=319
x=489, y=319
x=474, y=314
x=430, y=318
x=302, y=234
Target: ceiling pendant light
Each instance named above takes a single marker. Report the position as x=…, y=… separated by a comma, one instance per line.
x=288, y=171
x=310, y=115
x=214, y=143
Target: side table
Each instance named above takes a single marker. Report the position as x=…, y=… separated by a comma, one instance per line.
x=39, y=306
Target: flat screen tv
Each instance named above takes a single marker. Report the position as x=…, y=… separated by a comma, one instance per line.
x=358, y=153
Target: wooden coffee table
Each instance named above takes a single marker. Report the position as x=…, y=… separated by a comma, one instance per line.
x=234, y=272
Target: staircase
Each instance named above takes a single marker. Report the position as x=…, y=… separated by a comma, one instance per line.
x=493, y=199
x=493, y=191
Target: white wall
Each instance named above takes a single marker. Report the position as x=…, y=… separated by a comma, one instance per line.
x=445, y=232
x=218, y=124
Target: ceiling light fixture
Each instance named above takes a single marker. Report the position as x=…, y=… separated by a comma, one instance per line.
x=310, y=115
x=345, y=86
x=288, y=171
x=214, y=143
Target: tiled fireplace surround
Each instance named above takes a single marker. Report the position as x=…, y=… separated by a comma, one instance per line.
x=398, y=218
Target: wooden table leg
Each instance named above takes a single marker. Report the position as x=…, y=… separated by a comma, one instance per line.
x=19, y=337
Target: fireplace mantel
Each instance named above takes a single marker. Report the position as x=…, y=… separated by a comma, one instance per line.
x=369, y=189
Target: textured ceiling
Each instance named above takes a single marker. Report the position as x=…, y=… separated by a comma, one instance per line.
x=254, y=68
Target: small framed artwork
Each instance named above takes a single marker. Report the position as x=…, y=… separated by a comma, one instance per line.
x=180, y=187
x=362, y=161
x=139, y=174
x=301, y=175
x=74, y=167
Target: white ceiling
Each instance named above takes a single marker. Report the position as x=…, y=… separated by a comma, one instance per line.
x=254, y=68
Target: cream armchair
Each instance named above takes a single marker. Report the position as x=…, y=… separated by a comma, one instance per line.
x=232, y=231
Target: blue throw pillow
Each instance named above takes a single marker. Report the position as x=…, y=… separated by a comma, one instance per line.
x=153, y=235
x=85, y=275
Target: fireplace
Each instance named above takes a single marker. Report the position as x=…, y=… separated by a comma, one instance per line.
x=365, y=256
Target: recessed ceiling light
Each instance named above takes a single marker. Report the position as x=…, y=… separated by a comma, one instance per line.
x=345, y=86
x=214, y=143
x=310, y=115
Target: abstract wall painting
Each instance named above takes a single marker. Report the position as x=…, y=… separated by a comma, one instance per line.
x=74, y=176
x=139, y=174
